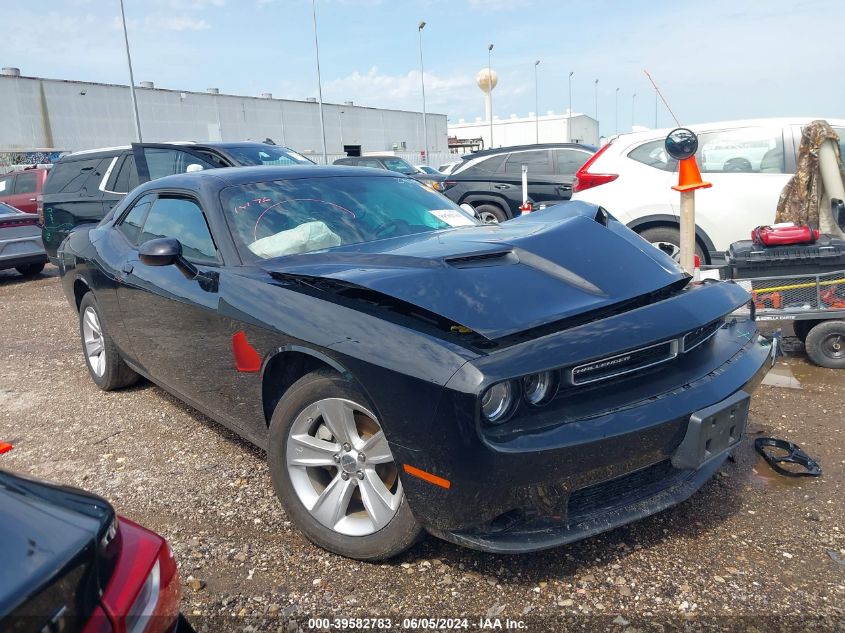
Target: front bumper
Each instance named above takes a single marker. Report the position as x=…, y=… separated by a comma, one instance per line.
x=556, y=484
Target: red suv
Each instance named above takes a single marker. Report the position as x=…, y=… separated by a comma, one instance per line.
x=22, y=189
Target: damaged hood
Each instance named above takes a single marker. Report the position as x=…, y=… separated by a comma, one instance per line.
x=501, y=279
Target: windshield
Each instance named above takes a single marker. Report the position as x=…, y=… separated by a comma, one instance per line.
x=397, y=164
x=284, y=217
x=266, y=155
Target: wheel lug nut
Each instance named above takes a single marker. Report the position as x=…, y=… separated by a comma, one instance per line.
x=337, y=458
x=344, y=476
x=360, y=474
x=362, y=457
x=346, y=447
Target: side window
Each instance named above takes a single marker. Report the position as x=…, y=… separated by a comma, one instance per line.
x=166, y=162
x=368, y=162
x=183, y=219
x=132, y=222
x=568, y=161
x=537, y=162
x=70, y=176
x=126, y=177
x=6, y=185
x=654, y=155
x=26, y=183
x=749, y=150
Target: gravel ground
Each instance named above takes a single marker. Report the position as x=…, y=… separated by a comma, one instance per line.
x=752, y=551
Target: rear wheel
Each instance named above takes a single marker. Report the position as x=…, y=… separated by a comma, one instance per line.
x=491, y=214
x=30, y=270
x=825, y=344
x=104, y=363
x=334, y=473
x=668, y=239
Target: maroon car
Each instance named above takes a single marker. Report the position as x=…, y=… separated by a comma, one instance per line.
x=22, y=189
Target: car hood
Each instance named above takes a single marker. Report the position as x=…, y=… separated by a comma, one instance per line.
x=498, y=280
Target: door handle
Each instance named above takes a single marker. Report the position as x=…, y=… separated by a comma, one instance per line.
x=501, y=186
x=33, y=199
x=127, y=268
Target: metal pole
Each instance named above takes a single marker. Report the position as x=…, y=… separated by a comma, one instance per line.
x=340, y=120
x=537, y=102
x=131, y=76
x=569, y=117
x=633, y=105
x=687, y=245
x=422, y=82
x=617, y=111
x=490, y=82
x=596, y=88
x=319, y=84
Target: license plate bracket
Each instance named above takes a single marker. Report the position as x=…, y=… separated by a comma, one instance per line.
x=712, y=430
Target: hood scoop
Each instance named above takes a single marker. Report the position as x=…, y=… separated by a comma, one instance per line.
x=474, y=260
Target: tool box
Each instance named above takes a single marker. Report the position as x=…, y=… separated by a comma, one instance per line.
x=748, y=259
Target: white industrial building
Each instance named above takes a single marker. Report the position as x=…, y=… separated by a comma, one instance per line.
x=49, y=114
x=547, y=128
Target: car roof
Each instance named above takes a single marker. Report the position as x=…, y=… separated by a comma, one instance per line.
x=519, y=148
x=110, y=151
x=228, y=176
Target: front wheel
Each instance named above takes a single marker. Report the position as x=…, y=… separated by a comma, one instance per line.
x=334, y=473
x=825, y=344
x=490, y=214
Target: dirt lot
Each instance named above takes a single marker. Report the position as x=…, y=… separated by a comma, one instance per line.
x=753, y=551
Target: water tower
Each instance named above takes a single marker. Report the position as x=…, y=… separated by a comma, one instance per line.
x=487, y=80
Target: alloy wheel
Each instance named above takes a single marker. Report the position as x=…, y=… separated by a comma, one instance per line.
x=92, y=334
x=672, y=250
x=341, y=467
x=488, y=218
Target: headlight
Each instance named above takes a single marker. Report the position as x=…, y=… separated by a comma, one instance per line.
x=436, y=185
x=538, y=389
x=498, y=402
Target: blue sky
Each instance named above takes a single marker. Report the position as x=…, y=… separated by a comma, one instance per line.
x=714, y=60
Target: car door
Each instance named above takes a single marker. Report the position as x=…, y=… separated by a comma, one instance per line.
x=24, y=192
x=748, y=169
x=174, y=327
x=566, y=161
x=544, y=186
x=157, y=160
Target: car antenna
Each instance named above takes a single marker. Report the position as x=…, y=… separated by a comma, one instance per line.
x=660, y=94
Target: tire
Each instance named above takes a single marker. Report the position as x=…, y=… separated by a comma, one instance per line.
x=491, y=214
x=825, y=344
x=803, y=327
x=106, y=367
x=30, y=270
x=349, y=527
x=670, y=236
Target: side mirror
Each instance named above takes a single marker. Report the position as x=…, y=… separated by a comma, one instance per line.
x=681, y=143
x=193, y=167
x=160, y=252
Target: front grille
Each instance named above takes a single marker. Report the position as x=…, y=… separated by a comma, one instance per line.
x=622, y=491
x=621, y=364
x=697, y=336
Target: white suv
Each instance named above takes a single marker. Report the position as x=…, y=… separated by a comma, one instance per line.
x=748, y=162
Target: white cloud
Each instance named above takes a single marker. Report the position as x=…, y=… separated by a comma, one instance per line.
x=158, y=22
x=499, y=5
x=194, y=5
x=396, y=91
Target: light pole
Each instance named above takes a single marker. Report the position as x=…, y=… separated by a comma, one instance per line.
x=617, y=111
x=340, y=121
x=536, y=102
x=490, y=82
x=319, y=83
x=131, y=76
x=422, y=83
x=596, y=89
x=569, y=118
x=633, y=106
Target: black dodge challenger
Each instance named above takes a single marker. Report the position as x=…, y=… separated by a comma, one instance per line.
x=509, y=388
